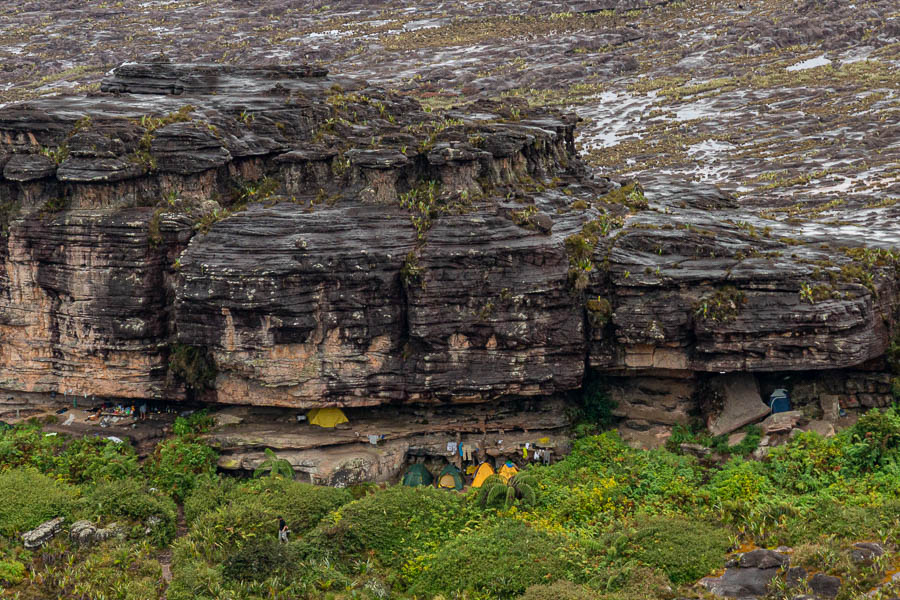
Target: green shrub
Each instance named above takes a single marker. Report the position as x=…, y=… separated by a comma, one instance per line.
x=12, y=572
x=209, y=492
x=394, y=524
x=683, y=550
x=129, y=499
x=499, y=560
x=258, y=560
x=26, y=445
x=302, y=505
x=28, y=498
x=808, y=463
x=198, y=422
x=740, y=480
x=176, y=464
x=92, y=459
x=559, y=590
x=873, y=440
x=113, y=569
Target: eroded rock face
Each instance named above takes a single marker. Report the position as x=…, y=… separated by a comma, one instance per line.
x=323, y=242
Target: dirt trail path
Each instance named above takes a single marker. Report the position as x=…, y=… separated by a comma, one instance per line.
x=164, y=557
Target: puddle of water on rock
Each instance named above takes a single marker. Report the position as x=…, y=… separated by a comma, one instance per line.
x=424, y=24
x=613, y=116
x=703, y=109
x=857, y=55
x=705, y=172
x=709, y=147
x=812, y=63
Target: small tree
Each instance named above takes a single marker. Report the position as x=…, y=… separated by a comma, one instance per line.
x=277, y=467
x=520, y=486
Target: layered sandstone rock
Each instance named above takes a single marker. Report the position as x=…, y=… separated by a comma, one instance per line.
x=320, y=242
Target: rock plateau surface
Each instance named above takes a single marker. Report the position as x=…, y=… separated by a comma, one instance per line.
x=279, y=236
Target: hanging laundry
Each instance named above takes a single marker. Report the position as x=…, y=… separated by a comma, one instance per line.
x=525, y=453
x=451, y=446
x=467, y=450
x=528, y=445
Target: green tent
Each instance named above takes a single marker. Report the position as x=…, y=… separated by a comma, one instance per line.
x=417, y=474
x=450, y=478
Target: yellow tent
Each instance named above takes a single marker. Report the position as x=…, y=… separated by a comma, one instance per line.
x=484, y=471
x=507, y=471
x=326, y=417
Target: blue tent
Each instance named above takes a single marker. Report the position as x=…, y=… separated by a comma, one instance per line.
x=780, y=401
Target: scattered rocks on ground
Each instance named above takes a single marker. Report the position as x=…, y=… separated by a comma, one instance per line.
x=824, y=586
x=823, y=428
x=743, y=404
x=84, y=532
x=762, y=558
x=781, y=422
x=866, y=552
x=740, y=582
x=42, y=534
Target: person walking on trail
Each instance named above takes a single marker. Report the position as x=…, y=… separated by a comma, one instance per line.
x=282, y=531
x=143, y=410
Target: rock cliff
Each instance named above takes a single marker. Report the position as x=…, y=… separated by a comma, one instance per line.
x=278, y=236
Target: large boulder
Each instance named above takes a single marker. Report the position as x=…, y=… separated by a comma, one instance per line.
x=84, y=532
x=42, y=534
x=742, y=403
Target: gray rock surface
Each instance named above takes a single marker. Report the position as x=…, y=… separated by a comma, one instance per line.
x=84, y=532
x=742, y=403
x=825, y=586
x=42, y=534
x=762, y=558
x=741, y=582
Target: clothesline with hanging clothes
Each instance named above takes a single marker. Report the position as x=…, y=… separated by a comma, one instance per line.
x=467, y=451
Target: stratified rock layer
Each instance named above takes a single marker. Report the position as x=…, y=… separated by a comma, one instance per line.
x=320, y=242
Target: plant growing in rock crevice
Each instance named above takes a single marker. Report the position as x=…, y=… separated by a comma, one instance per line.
x=580, y=248
x=721, y=306
x=422, y=202
x=274, y=466
x=192, y=365
x=599, y=311
x=150, y=124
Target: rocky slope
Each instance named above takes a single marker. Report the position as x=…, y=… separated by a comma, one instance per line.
x=284, y=237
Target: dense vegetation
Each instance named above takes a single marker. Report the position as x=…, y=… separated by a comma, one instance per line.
x=607, y=522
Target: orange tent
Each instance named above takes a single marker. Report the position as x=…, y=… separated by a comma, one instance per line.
x=507, y=471
x=484, y=471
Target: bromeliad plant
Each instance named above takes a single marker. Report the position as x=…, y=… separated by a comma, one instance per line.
x=277, y=467
x=498, y=491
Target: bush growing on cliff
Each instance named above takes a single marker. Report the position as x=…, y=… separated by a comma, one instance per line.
x=193, y=366
x=596, y=405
